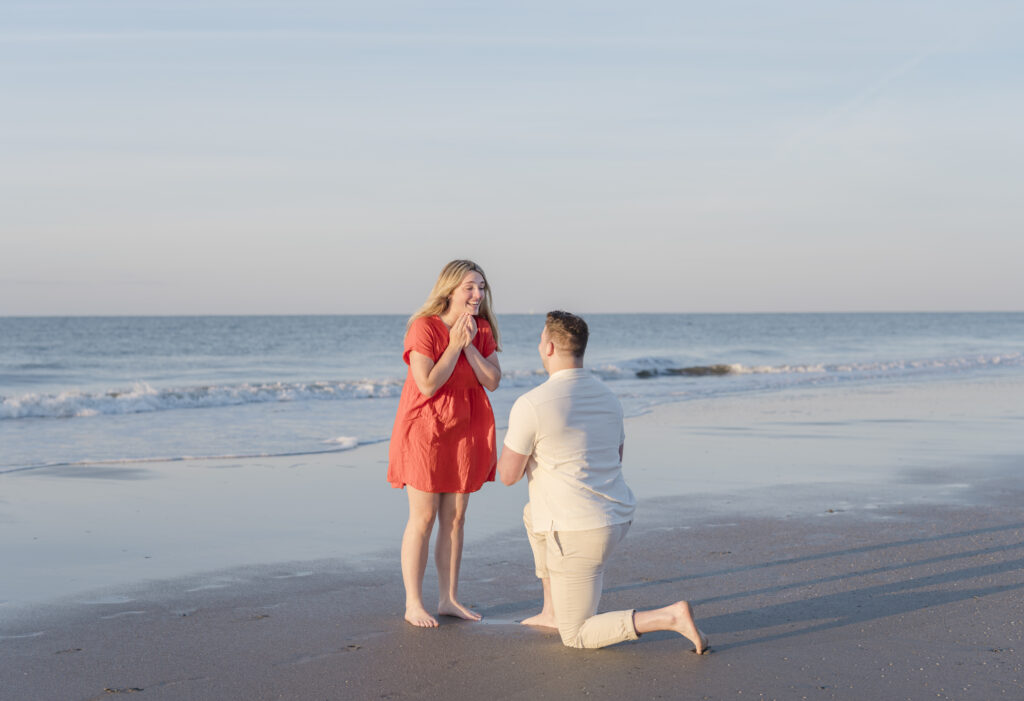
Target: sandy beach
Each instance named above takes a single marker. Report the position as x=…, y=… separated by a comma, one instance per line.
x=863, y=543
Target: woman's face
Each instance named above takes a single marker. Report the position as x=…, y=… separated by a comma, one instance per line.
x=468, y=296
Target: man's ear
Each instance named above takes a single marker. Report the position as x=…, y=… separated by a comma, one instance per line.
x=549, y=349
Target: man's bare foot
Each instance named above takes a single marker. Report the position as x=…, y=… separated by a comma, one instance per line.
x=454, y=608
x=418, y=616
x=544, y=618
x=683, y=623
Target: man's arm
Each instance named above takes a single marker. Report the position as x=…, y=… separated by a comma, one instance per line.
x=511, y=465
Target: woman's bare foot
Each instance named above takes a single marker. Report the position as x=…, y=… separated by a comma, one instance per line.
x=544, y=618
x=683, y=623
x=418, y=616
x=454, y=608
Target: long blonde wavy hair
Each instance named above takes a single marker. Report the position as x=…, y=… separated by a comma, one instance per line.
x=451, y=277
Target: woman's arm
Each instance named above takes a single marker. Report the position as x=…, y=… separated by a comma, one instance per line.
x=487, y=370
x=430, y=376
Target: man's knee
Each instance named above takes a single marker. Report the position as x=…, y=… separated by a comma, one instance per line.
x=571, y=636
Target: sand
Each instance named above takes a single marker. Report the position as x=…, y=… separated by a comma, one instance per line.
x=860, y=544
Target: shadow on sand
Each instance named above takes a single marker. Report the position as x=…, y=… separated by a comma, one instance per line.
x=902, y=589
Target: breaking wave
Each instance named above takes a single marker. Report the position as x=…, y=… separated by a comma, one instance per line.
x=646, y=368
x=144, y=398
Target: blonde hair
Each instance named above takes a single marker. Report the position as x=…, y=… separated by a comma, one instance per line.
x=451, y=277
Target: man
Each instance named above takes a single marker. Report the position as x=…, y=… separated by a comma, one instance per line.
x=567, y=436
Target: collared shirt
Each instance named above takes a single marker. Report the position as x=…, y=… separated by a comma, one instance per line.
x=571, y=427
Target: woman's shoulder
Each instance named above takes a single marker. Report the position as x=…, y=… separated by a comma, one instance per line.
x=425, y=322
x=424, y=327
x=482, y=323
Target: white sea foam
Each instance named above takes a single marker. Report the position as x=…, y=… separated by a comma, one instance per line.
x=142, y=397
x=343, y=442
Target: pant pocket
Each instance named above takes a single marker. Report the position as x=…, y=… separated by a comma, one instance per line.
x=553, y=535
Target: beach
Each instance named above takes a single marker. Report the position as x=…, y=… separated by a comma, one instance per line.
x=244, y=247
x=834, y=544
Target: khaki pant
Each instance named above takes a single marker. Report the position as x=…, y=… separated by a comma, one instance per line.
x=574, y=562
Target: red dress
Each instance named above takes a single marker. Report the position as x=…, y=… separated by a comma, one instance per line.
x=443, y=443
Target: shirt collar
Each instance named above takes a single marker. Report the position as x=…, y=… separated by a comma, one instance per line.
x=569, y=373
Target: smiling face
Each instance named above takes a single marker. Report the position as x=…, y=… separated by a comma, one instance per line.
x=467, y=296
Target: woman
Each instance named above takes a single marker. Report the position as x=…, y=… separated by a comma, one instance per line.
x=442, y=446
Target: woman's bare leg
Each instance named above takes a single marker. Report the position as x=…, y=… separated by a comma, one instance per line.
x=677, y=617
x=448, y=554
x=423, y=508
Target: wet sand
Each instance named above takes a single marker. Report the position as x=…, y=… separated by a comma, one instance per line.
x=902, y=578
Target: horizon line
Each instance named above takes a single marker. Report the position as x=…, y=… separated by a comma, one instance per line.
x=514, y=313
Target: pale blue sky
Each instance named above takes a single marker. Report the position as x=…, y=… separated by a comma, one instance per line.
x=328, y=157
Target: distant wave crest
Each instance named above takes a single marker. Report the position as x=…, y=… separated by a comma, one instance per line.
x=144, y=398
x=659, y=367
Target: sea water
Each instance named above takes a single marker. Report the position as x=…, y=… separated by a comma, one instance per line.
x=115, y=390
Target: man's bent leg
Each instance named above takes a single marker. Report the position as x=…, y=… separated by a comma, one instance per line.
x=538, y=543
x=575, y=560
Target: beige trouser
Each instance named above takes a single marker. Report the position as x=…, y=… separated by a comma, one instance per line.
x=574, y=562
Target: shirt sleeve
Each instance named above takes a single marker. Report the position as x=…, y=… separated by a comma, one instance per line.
x=420, y=339
x=484, y=340
x=521, y=436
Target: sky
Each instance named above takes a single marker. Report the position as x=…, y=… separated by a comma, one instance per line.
x=315, y=157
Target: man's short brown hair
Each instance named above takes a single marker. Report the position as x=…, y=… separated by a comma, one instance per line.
x=568, y=332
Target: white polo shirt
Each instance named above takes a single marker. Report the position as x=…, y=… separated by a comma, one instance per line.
x=571, y=427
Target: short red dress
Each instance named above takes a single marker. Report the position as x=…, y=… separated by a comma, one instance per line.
x=443, y=443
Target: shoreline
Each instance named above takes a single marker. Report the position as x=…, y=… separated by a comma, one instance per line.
x=104, y=526
x=901, y=579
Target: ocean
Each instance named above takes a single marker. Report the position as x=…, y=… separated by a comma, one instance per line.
x=117, y=390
